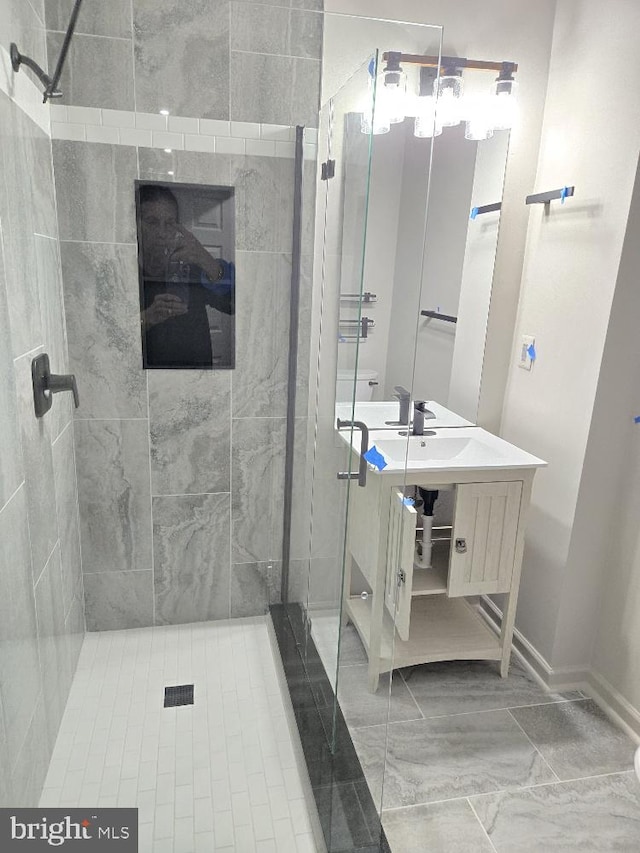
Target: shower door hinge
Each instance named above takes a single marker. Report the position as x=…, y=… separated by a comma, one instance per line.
x=328, y=170
x=402, y=577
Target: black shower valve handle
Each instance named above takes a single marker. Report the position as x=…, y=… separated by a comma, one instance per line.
x=46, y=384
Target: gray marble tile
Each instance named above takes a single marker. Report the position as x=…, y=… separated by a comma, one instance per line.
x=53, y=325
x=456, y=687
x=439, y=759
x=257, y=483
x=264, y=203
x=577, y=738
x=98, y=71
x=102, y=311
x=449, y=827
x=64, y=471
x=275, y=30
x=182, y=57
x=19, y=663
x=38, y=468
x=294, y=4
x=98, y=19
x=260, y=377
x=11, y=468
x=112, y=460
x=95, y=190
x=588, y=816
x=118, y=600
x=191, y=167
x=52, y=643
x=33, y=761
x=19, y=22
x=254, y=586
x=362, y=708
x=20, y=211
x=274, y=89
x=190, y=426
x=191, y=558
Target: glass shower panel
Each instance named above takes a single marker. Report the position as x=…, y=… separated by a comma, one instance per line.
x=338, y=327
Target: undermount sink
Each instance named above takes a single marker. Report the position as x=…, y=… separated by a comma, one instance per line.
x=471, y=448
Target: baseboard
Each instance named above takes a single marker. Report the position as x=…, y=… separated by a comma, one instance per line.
x=591, y=683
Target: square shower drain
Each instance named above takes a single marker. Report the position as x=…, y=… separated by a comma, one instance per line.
x=181, y=695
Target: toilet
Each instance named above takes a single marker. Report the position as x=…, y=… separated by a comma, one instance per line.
x=366, y=382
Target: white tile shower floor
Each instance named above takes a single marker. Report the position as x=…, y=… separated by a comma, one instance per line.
x=218, y=775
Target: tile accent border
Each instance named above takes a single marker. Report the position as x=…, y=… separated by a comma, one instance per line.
x=179, y=133
x=336, y=776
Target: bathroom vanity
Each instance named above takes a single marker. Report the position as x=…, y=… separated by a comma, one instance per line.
x=411, y=615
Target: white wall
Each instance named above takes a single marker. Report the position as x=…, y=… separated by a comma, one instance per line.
x=617, y=636
x=499, y=30
x=591, y=135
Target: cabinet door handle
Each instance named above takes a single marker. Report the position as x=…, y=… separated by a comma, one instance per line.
x=461, y=546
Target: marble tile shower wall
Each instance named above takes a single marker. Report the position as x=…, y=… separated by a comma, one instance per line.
x=181, y=473
x=41, y=595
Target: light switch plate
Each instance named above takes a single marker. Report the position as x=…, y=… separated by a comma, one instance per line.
x=526, y=361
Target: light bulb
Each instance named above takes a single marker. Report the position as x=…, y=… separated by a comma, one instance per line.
x=392, y=91
x=448, y=89
x=503, y=102
x=381, y=120
x=479, y=124
x=427, y=124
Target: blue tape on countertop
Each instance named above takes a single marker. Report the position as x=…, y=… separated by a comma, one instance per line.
x=408, y=502
x=531, y=352
x=375, y=458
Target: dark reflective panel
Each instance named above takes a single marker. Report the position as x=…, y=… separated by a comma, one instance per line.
x=186, y=253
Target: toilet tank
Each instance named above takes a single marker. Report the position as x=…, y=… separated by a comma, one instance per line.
x=366, y=382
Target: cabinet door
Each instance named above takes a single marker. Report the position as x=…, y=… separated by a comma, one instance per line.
x=484, y=538
x=400, y=551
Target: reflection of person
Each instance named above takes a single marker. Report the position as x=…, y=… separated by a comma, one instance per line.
x=180, y=278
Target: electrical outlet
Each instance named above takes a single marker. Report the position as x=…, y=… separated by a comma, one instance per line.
x=527, y=352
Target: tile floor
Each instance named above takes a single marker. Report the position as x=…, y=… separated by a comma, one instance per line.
x=218, y=775
x=482, y=764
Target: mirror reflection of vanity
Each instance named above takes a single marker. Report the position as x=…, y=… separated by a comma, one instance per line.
x=425, y=251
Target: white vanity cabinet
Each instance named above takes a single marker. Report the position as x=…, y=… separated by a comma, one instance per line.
x=409, y=615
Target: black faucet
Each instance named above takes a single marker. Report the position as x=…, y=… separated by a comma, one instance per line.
x=404, y=398
x=420, y=412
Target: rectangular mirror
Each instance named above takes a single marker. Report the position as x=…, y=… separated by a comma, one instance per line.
x=186, y=269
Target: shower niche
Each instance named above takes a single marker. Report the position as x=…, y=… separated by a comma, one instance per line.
x=186, y=271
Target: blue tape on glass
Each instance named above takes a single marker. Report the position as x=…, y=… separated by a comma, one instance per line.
x=531, y=352
x=372, y=68
x=637, y=420
x=474, y=212
x=408, y=502
x=375, y=458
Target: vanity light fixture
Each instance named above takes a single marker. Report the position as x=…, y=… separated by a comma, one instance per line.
x=479, y=122
x=380, y=115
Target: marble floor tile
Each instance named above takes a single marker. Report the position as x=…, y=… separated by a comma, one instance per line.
x=447, y=757
x=456, y=687
x=577, y=738
x=362, y=708
x=449, y=827
x=590, y=816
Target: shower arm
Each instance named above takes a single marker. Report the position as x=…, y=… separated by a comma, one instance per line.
x=50, y=84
